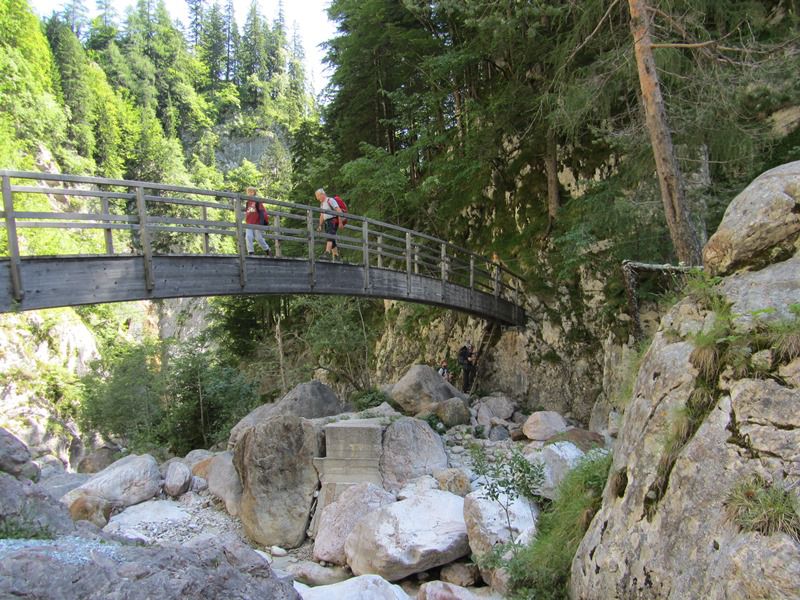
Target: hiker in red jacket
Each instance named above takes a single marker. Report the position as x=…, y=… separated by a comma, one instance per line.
x=255, y=214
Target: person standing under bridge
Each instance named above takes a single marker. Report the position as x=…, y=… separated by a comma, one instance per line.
x=328, y=221
x=255, y=214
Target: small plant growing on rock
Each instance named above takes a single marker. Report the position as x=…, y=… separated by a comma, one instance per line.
x=785, y=336
x=370, y=398
x=755, y=504
x=23, y=527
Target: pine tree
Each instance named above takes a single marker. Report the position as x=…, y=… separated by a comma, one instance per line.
x=213, y=45
x=75, y=15
x=196, y=15
x=231, y=41
x=71, y=63
x=108, y=13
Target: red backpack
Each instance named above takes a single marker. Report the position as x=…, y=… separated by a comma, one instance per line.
x=343, y=207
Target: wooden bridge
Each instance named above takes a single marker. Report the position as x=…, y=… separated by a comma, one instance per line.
x=132, y=240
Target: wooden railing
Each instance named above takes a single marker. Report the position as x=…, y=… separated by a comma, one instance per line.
x=119, y=217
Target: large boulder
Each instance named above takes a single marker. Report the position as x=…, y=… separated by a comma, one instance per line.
x=760, y=226
x=86, y=568
x=27, y=510
x=311, y=400
x=492, y=409
x=365, y=587
x=274, y=460
x=491, y=522
x=98, y=459
x=441, y=590
x=421, y=389
x=128, y=481
x=311, y=573
x=339, y=518
x=410, y=449
x=557, y=460
x=543, y=425
x=409, y=536
x=177, y=479
x=224, y=483
x=15, y=458
x=452, y=412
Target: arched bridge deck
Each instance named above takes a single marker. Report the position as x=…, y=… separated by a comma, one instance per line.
x=129, y=240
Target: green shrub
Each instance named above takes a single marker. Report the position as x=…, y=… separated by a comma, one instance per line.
x=754, y=504
x=541, y=570
x=364, y=399
x=23, y=527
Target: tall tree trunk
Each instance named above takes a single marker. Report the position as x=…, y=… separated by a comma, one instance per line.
x=684, y=237
x=281, y=357
x=551, y=168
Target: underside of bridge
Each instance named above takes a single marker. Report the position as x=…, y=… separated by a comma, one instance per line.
x=48, y=282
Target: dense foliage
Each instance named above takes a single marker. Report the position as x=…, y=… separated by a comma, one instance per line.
x=446, y=114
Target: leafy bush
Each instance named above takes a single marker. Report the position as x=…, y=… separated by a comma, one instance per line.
x=364, y=399
x=757, y=505
x=541, y=570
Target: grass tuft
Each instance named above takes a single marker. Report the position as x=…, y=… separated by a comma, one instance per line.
x=541, y=570
x=754, y=504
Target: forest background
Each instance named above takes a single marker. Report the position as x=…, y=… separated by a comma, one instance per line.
x=508, y=127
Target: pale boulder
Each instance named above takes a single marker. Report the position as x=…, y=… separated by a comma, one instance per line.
x=557, y=460
x=452, y=412
x=543, y=425
x=365, y=587
x=760, y=225
x=15, y=458
x=421, y=389
x=177, y=479
x=417, y=486
x=339, y=518
x=492, y=408
x=491, y=522
x=453, y=480
x=224, y=482
x=410, y=449
x=409, y=536
x=314, y=574
x=136, y=522
x=128, y=481
x=441, y=590
x=460, y=573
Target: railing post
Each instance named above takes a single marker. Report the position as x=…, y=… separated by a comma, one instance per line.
x=13, y=243
x=204, y=214
x=416, y=259
x=311, y=264
x=365, y=246
x=240, y=243
x=471, y=279
x=144, y=239
x=276, y=226
x=408, y=263
x=443, y=266
x=107, y=232
x=496, y=281
x=380, y=251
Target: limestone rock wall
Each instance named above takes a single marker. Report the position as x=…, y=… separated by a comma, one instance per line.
x=669, y=533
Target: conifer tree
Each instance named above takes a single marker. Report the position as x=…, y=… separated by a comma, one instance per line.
x=107, y=12
x=196, y=16
x=231, y=41
x=213, y=45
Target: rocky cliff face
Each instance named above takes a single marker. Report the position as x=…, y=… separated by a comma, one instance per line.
x=565, y=359
x=714, y=407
